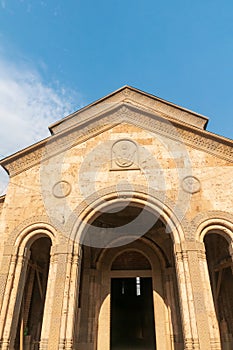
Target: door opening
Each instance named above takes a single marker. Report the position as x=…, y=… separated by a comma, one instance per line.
x=132, y=314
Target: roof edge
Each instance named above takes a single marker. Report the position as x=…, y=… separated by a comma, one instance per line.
x=57, y=123
x=2, y=198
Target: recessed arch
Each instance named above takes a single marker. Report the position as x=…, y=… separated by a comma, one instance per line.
x=219, y=226
x=131, y=259
x=91, y=208
x=215, y=223
x=141, y=245
x=30, y=316
x=220, y=268
x=31, y=266
x=29, y=234
x=102, y=259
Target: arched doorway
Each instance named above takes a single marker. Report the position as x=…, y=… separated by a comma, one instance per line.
x=132, y=306
x=146, y=263
x=220, y=268
x=34, y=291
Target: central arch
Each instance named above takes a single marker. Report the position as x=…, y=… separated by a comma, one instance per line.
x=109, y=273
x=166, y=315
x=88, y=210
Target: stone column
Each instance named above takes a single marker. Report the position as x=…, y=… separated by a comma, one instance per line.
x=6, y=280
x=49, y=301
x=61, y=257
x=215, y=342
x=193, y=250
x=188, y=314
x=175, y=332
x=171, y=327
x=14, y=293
x=66, y=301
x=91, y=311
x=73, y=297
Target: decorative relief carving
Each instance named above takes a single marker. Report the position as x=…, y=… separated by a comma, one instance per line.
x=200, y=139
x=124, y=155
x=224, y=219
x=191, y=184
x=61, y=189
x=39, y=219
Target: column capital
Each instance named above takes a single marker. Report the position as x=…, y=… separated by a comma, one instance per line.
x=186, y=246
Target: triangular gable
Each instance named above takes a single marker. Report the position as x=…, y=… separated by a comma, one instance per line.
x=134, y=97
x=111, y=111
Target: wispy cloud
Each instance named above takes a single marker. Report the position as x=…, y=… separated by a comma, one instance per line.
x=27, y=107
x=3, y=4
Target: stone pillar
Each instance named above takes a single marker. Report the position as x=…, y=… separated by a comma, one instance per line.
x=91, y=311
x=73, y=297
x=65, y=306
x=14, y=293
x=215, y=342
x=175, y=332
x=188, y=314
x=61, y=258
x=200, y=294
x=8, y=264
x=170, y=325
x=49, y=301
x=6, y=280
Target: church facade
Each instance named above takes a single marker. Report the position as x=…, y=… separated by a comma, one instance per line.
x=117, y=232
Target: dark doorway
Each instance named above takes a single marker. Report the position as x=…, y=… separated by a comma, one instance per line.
x=132, y=314
x=32, y=305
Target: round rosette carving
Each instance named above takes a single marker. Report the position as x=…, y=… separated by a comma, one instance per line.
x=191, y=184
x=61, y=189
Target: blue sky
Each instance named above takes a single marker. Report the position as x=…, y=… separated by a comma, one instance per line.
x=56, y=56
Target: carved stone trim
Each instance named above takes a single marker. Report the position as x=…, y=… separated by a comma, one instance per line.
x=11, y=238
x=199, y=139
x=191, y=184
x=124, y=155
x=61, y=189
x=137, y=97
x=139, y=191
x=214, y=215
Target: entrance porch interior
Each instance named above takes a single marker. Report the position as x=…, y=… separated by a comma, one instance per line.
x=132, y=318
x=132, y=314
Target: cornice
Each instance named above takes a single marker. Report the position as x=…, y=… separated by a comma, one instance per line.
x=122, y=113
x=135, y=97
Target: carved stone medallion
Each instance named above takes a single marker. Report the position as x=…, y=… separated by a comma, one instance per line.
x=61, y=189
x=124, y=155
x=191, y=184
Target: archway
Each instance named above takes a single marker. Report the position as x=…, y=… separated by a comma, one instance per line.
x=102, y=270
x=34, y=291
x=132, y=307
x=220, y=268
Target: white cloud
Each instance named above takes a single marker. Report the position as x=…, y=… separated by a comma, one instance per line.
x=3, y=4
x=27, y=107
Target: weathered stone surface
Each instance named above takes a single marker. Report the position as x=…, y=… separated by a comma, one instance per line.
x=130, y=148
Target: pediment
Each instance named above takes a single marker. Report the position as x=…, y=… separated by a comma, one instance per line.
x=135, y=98
x=79, y=128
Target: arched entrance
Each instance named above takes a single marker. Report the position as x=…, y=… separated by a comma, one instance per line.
x=132, y=307
x=220, y=268
x=147, y=264
x=34, y=291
